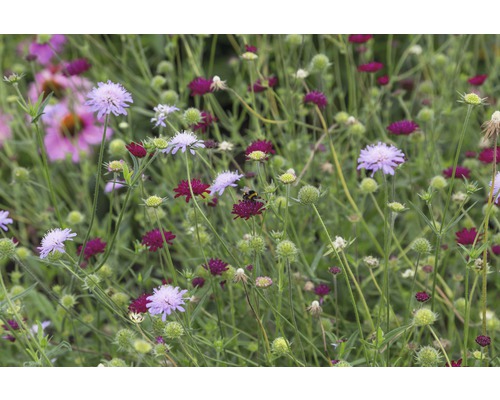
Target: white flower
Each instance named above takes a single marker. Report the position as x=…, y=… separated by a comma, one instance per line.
x=226, y=146
x=301, y=74
x=409, y=273
x=217, y=84
x=415, y=49
x=339, y=243
x=351, y=120
x=161, y=113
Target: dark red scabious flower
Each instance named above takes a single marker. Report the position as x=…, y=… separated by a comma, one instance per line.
x=466, y=236
x=460, y=172
x=383, y=80
x=210, y=144
x=483, y=340
x=200, y=86
x=495, y=249
x=213, y=202
x=250, y=48
x=198, y=282
x=93, y=247
x=206, y=121
x=247, y=208
x=335, y=270
x=477, y=80
x=422, y=297
x=486, y=156
x=265, y=146
x=136, y=150
x=404, y=127
x=470, y=154
x=359, y=38
x=260, y=86
x=373, y=66
x=167, y=281
x=316, y=97
x=199, y=189
x=76, y=67
x=249, y=267
x=159, y=340
x=154, y=240
x=457, y=363
x=427, y=269
x=139, y=305
x=322, y=290
x=12, y=325
x=216, y=266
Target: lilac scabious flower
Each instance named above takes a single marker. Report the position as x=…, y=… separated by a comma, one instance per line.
x=404, y=127
x=162, y=111
x=496, y=187
x=164, y=300
x=45, y=51
x=114, y=185
x=317, y=98
x=109, y=98
x=380, y=156
x=182, y=141
x=5, y=220
x=5, y=131
x=54, y=241
x=223, y=180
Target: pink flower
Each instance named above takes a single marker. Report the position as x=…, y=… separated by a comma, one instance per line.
x=467, y=236
x=383, y=80
x=477, y=80
x=258, y=86
x=5, y=131
x=200, y=86
x=359, y=38
x=373, y=66
x=460, y=172
x=44, y=52
x=404, y=127
x=71, y=132
x=317, y=98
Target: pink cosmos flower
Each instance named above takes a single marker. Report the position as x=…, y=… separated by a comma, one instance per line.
x=71, y=132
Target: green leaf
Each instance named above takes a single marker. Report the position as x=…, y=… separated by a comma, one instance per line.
x=393, y=335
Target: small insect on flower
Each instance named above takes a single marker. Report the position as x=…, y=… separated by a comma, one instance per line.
x=249, y=194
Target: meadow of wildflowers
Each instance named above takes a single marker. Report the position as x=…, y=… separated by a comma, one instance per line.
x=249, y=200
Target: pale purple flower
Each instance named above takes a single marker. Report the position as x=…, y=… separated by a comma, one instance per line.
x=109, y=98
x=496, y=187
x=54, y=241
x=164, y=300
x=182, y=141
x=114, y=185
x=223, y=180
x=45, y=51
x=162, y=111
x=5, y=220
x=44, y=324
x=5, y=131
x=380, y=156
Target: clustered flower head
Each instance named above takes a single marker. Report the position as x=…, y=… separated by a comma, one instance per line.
x=382, y=157
x=322, y=290
x=247, y=208
x=422, y=297
x=53, y=241
x=154, y=239
x=359, y=38
x=223, y=181
x=483, y=340
x=263, y=282
x=92, y=248
x=264, y=146
x=200, y=86
x=206, y=121
x=76, y=67
x=404, y=127
x=316, y=97
x=216, y=266
x=487, y=155
x=45, y=47
x=199, y=189
x=166, y=299
x=136, y=149
x=477, y=80
x=460, y=172
x=262, y=85
x=139, y=305
x=109, y=98
x=183, y=141
x=373, y=66
x=162, y=111
x=466, y=236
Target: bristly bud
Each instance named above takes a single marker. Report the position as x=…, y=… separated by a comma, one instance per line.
x=425, y=115
x=154, y=201
x=192, y=116
x=294, y=39
x=68, y=301
x=483, y=340
x=169, y=97
x=142, y=347
x=123, y=339
x=257, y=155
x=90, y=282
x=438, y=182
x=341, y=117
x=368, y=185
x=263, y=282
x=160, y=143
x=288, y=177
x=472, y=99
x=7, y=248
x=424, y=317
x=115, y=166
x=158, y=82
x=421, y=246
x=308, y=195
x=341, y=364
x=257, y=244
x=396, y=207
x=13, y=78
x=428, y=357
x=319, y=63
x=280, y=347
x=287, y=250
x=173, y=330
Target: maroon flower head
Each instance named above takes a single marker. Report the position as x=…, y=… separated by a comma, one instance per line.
x=470, y=154
x=359, y=38
x=93, y=247
x=249, y=267
x=373, y=66
x=495, y=249
x=250, y=48
x=213, y=202
x=199, y=189
x=159, y=340
x=404, y=127
x=198, y=282
x=12, y=325
x=466, y=236
x=260, y=145
x=460, y=172
x=383, y=80
x=247, y=208
x=136, y=150
x=200, y=86
x=427, y=269
x=335, y=270
x=483, y=340
x=259, y=86
x=457, y=363
x=422, y=297
x=316, y=97
x=477, y=80
x=206, y=121
x=139, y=305
x=76, y=67
x=154, y=240
x=210, y=144
x=216, y=266
x=322, y=290
x=486, y=156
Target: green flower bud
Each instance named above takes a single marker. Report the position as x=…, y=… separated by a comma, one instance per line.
x=286, y=249
x=342, y=364
x=243, y=247
x=424, y=317
x=278, y=162
x=23, y=253
x=440, y=60
x=158, y=82
x=75, y=218
x=117, y=362
x=472, y=99
x=280, y=347
x=257, y=244
x=15, y=277
x=90, y=282
x=341, y=117
x=16, y=289
x=425, y=115
x=438, y=182
x=356, y=129
x=396, y=207
x=68, y=301
x=43, y=38
x=257, y=156
x=288, y=177
x=421, y=246
x=116, y=148
x=169, y=97
x=123, y=125
x=192, y=116
x=165, y=67
x=121, y=299
x=153, y=201
x=160, y=143
x=460, y=305
x=294, y=40
x=7, y=248
x=229, y=273
x=124, y=338
x=105, y=272
x=173, y=330
x=368, y=185
x=319, y=63
x=428, y=357
x=308, y=195
x=143, y=347
x=20, y=175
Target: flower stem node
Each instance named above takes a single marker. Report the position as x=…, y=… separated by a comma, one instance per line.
x=280, y=347
x=173, y=330
x=308, y=195
x=424, y=317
